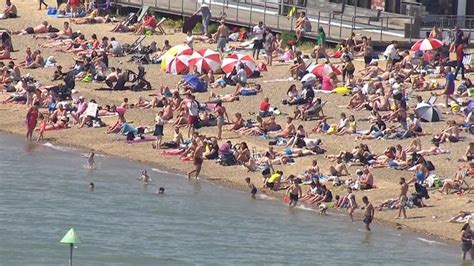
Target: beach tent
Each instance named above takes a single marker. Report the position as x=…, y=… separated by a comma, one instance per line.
x=428, y=113
x=232, y=60
x=205, y=60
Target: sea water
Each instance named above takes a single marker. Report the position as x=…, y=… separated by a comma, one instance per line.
x=44, y=192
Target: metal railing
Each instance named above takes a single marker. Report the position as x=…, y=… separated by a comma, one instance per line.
x=274, y=15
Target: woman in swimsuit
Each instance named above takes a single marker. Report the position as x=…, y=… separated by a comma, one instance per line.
x=469, y=155
x=352, y=129
x=221, y=115
x=466, y=239
x=31, y=120
x=456, y=182
x=298, y=139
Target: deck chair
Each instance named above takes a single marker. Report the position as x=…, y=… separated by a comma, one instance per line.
x=159, y=27
x=142, y=13
x=134, y=47
x=432, y=100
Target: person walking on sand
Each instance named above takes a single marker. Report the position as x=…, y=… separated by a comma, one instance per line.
x=197, y=158
x=221, y=115
x=466, y=239
x=369, y=212
x=206, y=16
x=253, y=188
x=403, y=199
x=221, y=37
x=294, y=191
x=41, y=3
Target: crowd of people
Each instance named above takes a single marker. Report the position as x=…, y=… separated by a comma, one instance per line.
x=384, y=92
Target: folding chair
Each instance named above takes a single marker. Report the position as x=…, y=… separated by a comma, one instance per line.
x=136, y=44
x=432, y=100
x=142, y=13
x=159, y=27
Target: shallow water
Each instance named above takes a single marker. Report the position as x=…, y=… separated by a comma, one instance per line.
x=44, y=192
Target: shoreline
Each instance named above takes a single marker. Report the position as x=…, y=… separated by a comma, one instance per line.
x=233, y=186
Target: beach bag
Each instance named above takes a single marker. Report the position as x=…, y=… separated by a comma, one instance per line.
x=51, y=11
x=430, y=166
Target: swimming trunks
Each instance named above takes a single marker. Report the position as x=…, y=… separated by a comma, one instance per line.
x=293, y=197
x=198, y=161
x=253, y=191
x=30, y=30
x=403, y=201
x=158, y=130
x=367, y=219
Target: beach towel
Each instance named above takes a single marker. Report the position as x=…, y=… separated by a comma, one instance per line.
x=139, y=140
x=173, y=152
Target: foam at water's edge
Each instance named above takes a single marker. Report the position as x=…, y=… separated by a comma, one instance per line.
x=58, y=148
x=431, y=242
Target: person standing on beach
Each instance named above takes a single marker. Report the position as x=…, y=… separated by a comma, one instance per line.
x=197, y=158
x=221, y=37
x=159, y=126
x=352, y=203
x=193, y=113
x=466, y=239
x=253, y=188
x=258, y=32
x=403, y=199
x=206, y=16
x=294, y=191
x=31, y=120
x=369, y=212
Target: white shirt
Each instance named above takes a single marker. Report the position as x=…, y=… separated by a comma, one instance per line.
x=258, y=32
x=193, y=108
x=390, y=52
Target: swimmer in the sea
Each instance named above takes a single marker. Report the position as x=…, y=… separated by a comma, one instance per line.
x=145, y=178
x=90, y=161
x=161, y=190
x=253, y=189
x=91, y=186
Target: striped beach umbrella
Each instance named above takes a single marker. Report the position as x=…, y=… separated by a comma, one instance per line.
x=178, y=65
x=322, y=70
x=428, y=113
x=205, y=60
x=427, y=44
x=180, y=49
x=232, y=60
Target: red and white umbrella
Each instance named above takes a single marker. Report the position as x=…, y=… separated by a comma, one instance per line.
x=178, y=65
x=427, y=44
x=205, y=60
x=322, y=70
x=232, y=60
x=180, y=49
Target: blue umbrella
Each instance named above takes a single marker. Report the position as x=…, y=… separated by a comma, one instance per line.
x=197, y=84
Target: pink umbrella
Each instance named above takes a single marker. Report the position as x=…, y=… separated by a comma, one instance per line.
x=205, y=60
x=178, y=65
x=322, y=70
x=427, y=44
x=232, y=60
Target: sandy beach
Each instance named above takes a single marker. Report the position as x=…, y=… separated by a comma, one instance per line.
x=433, y=220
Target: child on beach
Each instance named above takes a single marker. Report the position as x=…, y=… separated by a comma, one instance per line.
x=369, y=212
x=145, y=178
x=159, y=122
x=91, y=161
x=41, y=128
x=253, y=189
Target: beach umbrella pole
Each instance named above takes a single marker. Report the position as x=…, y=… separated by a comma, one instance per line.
x=71, y=247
